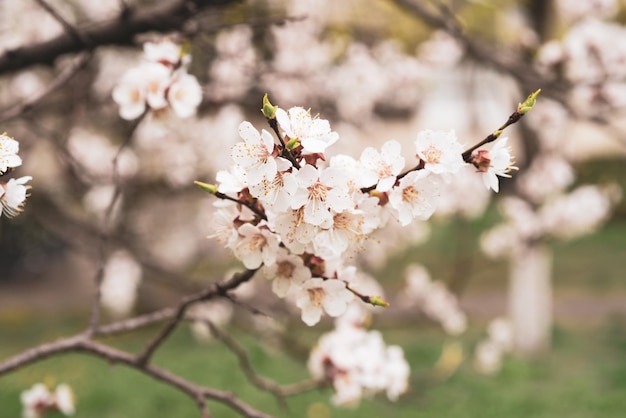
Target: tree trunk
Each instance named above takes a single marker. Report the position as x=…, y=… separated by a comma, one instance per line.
x=530, y=299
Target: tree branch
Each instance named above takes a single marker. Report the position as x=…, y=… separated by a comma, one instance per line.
x=164, y=16
x=217, y=289
x=79, y=343
x=263, y=383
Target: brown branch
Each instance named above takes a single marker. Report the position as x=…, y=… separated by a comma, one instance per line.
x=68, y=27
x=217, y=289
x=79, y=343
x=164, y=16
x=263, y=383
x=504, y=61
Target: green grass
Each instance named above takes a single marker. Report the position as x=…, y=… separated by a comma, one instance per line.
x=584, y=376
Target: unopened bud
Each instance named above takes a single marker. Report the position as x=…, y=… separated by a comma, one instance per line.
x=292, y=144
x=528, y=104
x=211, y=188
x=481, y=160
x=269, y=110
x=378, y=301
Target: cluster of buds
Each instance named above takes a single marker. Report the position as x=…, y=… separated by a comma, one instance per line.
x=288, y=209
x=39, y=400
x=357, y=362
x=161, y=82
x=13, y=193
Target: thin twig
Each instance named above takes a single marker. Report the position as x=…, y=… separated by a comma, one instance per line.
x=217, y=289
x=108, y=213
x=67, y=26
x=64, y=77
x=263, y=383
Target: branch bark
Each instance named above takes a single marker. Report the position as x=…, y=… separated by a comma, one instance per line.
x=163, y=17
x=79, y=343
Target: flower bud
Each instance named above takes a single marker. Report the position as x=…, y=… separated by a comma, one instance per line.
x=528, y=104
x=269, y=110
x=211, y=188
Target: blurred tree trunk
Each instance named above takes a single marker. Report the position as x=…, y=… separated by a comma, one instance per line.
x=530, y=299
x=530, y=287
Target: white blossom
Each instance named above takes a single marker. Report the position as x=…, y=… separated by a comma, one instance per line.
x=440, y=151
x=288, y=270
x=317, y=295
x=382, y=168
x=121, y=278
x=13, y=195
x=499, y=161
x=184, y=95
x=36, y=401
x=164, y=52
x=415, y=197
x=64, y=398
x=9, y=148
x=319, y=191
x=257, y=245
x=255, y=154
x=314, y=134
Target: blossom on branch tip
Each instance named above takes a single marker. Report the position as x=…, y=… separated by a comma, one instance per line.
x=493, y=163
x=314, y=134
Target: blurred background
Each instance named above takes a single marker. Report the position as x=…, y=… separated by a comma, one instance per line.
x=546, y=255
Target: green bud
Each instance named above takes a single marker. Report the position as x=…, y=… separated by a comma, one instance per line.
x=292, y=144
x=528, y=104
x=378, y=301
x=211, y=188
x=269, y=110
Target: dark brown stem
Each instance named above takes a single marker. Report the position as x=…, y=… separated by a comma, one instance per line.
x=285, y=151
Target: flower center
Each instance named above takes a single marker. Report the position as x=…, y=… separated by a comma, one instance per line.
x=316, y=295
x=432, y=155
x=285, y=269
x=318, y=192
x=409, y=194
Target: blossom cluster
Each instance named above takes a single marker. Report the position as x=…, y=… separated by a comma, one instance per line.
x=591, y=56
x=499, y=341
x=13, y=193
x=564, y=216
x=160, y=82
x=297, y=214
x=39, y=400
x=357, y=362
